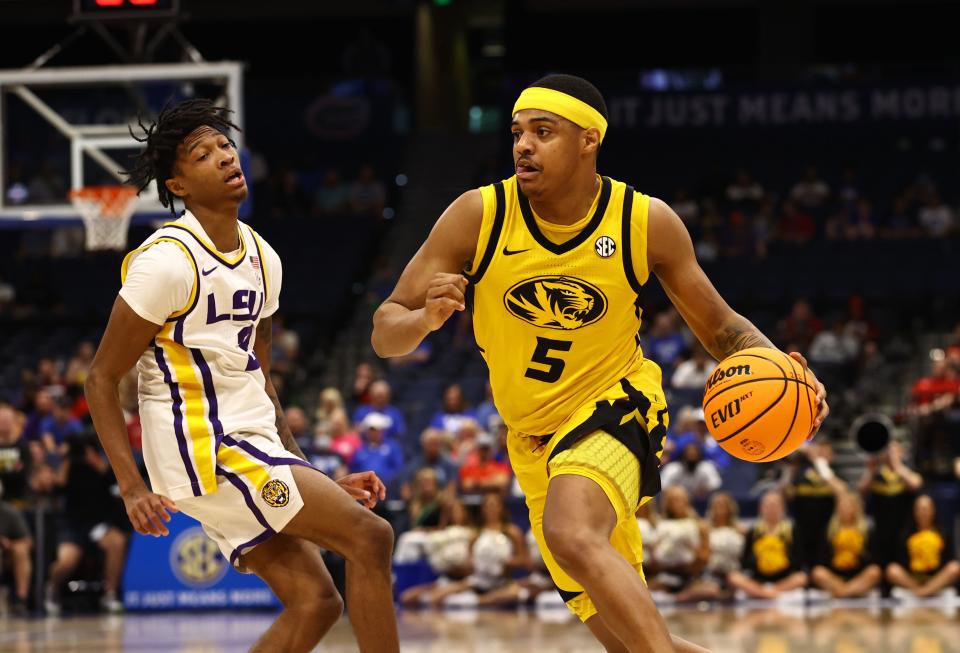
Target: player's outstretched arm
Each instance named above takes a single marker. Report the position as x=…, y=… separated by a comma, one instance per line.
x=125, y=339
x=431, y=287
x=722, y=330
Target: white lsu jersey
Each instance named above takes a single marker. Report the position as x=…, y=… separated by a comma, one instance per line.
x=200, y=385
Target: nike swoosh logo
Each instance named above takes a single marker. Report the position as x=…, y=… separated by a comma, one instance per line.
x=507, y=252
x=206, y=272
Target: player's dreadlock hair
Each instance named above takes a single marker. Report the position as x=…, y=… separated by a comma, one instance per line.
x=576, y=87
x=158, y=157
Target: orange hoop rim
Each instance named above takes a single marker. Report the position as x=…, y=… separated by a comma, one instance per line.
x=113, y=201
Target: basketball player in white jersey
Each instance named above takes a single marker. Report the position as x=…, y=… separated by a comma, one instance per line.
x=194, y=315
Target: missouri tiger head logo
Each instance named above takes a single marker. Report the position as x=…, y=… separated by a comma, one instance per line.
x=556, y=302
x=276, y=493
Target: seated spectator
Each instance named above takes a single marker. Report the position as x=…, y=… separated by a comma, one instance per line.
x=56, y=428
x=454, y=411
x=289, y=200
x=486, y=411
x=901, y=222
x=647, y=520
x=92, y=515
x=447, y=549
x=379, y=396
x=332, y=198
x=299, y=427
x=769, y=554
x=43, y=405
x=346, y=441
x=330, y=401
x=833, y=352
x=692, y=428
x=465, y=442
x=285, y=350
x=811, y=486
x=811, y=192
x=367, y=194
x=697, y=476
x=795, y=226
x=889, y=487
x=845, y=569
x=687, y=209
x=692, y=374
x=16, y=544
x=665, y=342
x=432, y=456
x=426, y=500
x=498, y=548
x=936, y=217
x=745, y=193
x=726, y=537
x=682, y=546
x=800, y=326
x=937, y=390
x=523, y=591
x=764, y=228
x=378, y=454
x=482, y=473
x=362, y=379
x=926, y=562
x=324, y=457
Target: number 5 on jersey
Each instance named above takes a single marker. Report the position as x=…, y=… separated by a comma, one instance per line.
x=541, y=356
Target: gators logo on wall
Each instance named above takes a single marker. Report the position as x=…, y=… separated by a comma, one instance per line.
x=556, y=302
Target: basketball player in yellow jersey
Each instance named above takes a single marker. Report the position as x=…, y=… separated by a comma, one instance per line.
x=552, y=261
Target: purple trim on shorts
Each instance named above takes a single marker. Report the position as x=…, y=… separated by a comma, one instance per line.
x=259, y=539
x=210, y=392
x=248, y=499
x=263, y=457
x=177, y=418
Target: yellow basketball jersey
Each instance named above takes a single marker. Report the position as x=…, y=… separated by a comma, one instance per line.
x=558, y=324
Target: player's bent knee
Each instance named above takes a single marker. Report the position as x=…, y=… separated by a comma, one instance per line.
x=372, y=541
x=574, y=549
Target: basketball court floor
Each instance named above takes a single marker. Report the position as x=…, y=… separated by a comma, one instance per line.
x=828, y=629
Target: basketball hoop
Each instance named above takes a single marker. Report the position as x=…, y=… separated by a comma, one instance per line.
x=106, y=212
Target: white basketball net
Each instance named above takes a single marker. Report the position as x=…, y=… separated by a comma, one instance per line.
x=106, y=212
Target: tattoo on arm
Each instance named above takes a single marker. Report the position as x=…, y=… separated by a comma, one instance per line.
x=264, y=342
x=737, y=335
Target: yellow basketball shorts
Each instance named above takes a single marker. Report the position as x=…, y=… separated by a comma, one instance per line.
x=593, y=443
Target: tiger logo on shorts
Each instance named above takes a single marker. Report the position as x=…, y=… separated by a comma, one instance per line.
x=276, y=493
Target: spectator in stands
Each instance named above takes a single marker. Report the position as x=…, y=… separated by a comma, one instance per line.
x=764, y=228
x=800, y=326
x=647, y=519
x=697, y=476
x=812, y=486
x=769, y=554
x=16, y=544
x=688, y=209
x=432, y=456
x=901, y=222
x=49, y=376
x=465, y=441
x=834, y=351
x=861, y=221
x=426, y=500
x=738, y=236
x=299, y=427
x=380, y=403
x=362, y=379
x=447, y=549
x=330, y=401
x=482, y=473
x=692, y=429
x=346, y=441
x=937, y=390
x=486, y=411
x=846, y=569
x=889, y=486
x=692, y=374
x=79, y=365
x=725, y=537
x=416, y=359
x=454, y=411
x=682, y=546
x=707, y=246
x=289, y=200
x=848, y=191
x=745, y=194
x=665, y=343
x=92, y=515
x=811, y=192
x=936, y=217
x=378, y=454
x=368, y=196
x=56, y=428
x=324, y=457
x=332, y=198
x=14, y=458
x=498, y=549
x=926, y=562
x=43, y=405
x=524, y=590
x=285, y=350
x=795, y=226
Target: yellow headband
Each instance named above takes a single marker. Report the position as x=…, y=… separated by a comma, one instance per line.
x=558, y=102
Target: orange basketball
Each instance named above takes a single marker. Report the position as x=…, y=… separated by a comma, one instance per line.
x=759, y=404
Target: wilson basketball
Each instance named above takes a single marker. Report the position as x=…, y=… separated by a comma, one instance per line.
x=759, y=404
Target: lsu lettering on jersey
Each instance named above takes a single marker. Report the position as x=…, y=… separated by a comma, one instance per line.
x=200, y=385
x=558, y=324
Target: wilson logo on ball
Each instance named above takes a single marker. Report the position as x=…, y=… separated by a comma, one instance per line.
x=720, y=374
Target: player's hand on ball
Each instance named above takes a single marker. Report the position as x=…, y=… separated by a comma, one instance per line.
x=365, y=487
x=148, y=511
x=445, y=294
x=822, y=408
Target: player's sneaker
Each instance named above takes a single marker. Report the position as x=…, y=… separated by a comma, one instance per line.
x=109, y=603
